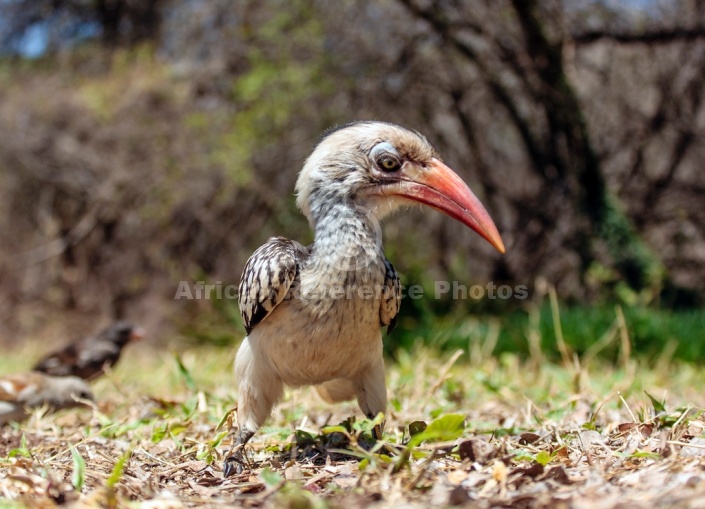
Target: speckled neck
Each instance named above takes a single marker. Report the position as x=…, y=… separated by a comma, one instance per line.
x=348, y=238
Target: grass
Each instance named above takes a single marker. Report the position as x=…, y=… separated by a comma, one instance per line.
x=652, y=331
x=494, y=429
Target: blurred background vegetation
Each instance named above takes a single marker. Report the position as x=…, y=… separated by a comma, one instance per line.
x=145, y=142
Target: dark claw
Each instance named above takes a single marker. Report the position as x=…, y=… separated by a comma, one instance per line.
x=233, y=465
x=378, y=429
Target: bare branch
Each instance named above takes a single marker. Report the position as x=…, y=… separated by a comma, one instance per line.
x=654, y=36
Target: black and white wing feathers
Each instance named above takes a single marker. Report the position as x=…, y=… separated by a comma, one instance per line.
x=391, y=297
x=267, y=278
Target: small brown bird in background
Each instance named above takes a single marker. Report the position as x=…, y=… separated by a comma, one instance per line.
x=313, y=314
x=22, y=392
x=89, y=357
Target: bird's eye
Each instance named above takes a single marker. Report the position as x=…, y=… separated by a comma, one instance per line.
x=388, y=163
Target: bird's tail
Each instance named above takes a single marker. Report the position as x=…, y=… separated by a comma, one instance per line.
x=336, y=390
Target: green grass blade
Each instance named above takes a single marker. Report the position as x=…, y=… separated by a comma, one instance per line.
x=78, y=479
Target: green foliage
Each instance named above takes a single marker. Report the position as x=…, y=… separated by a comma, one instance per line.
x=22, y=450
x=650, y=330
x=271, y=479
x=445, y=428
x=112, y=429
x=207, y=452
x=659, y=406
x=283, y=76
x=118, y=469
x=166, y=429
x=417, y=427
x=637, y=264
x=645, y=455
x=184, y=373
x=442, y=429
x=78, y=478
x=543, y=457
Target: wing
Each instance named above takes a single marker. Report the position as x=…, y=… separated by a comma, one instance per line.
x=391, y=298
x=267, y=278
x=85, y=359
x=15, y=391
x=60, y=363
x=18, y=388
x=94, y=358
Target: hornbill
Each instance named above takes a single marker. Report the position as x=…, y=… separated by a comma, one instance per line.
x=313, y=314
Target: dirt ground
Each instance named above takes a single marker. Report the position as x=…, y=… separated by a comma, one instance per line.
x=500, y=433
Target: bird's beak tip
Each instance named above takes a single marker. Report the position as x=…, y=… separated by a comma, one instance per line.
x=488, y=231
x=499, y=245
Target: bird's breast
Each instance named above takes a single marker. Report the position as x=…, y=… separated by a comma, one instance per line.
x=327, y=328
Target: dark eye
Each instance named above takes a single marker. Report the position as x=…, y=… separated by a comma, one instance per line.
x=388, y=163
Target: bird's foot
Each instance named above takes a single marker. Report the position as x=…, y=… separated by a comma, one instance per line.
x=377, y=431
x=383, y=447
x=234, y=464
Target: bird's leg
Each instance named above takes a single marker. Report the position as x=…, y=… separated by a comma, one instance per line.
x=259, y=389
x=378, y=430
x=372, y=394
x=235, y=462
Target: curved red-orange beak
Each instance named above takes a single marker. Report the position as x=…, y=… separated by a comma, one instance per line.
x=439, y=187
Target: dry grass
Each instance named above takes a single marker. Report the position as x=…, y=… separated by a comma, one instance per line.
x=534, y=435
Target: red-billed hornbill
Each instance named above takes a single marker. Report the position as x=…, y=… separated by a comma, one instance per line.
x=313, y=314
